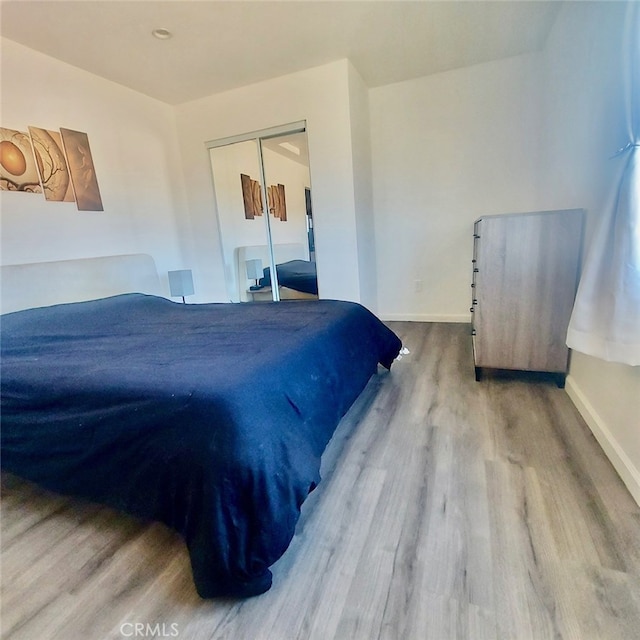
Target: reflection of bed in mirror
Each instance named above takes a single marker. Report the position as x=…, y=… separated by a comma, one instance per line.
x=297, y=276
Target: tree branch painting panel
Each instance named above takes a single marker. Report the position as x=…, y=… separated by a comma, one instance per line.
x=81, y=170
x=247, y=196
x=52, y=165
x=277, y=203
x=253, y=202
x=251, y=197
x=281, y=204
x=18, y=170
x=256, y=190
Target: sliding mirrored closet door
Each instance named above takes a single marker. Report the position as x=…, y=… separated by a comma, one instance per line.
x=262, y=190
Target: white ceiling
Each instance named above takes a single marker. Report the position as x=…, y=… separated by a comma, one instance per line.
x=219, y=45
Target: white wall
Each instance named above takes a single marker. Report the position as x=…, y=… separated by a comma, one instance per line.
x=135, y=152
x=447, y=149
x=584, y=126
x=321, y=97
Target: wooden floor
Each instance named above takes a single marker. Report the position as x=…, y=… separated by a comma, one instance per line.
x=448, y=509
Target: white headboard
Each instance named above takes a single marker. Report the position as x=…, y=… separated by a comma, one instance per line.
x=42, y=284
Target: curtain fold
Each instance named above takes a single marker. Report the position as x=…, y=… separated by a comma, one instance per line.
x=605, y=322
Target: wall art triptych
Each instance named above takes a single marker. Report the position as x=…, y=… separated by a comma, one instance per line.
x=57, y=164
x=253, y=202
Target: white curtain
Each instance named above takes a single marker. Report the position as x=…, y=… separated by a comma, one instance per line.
x=606, y=316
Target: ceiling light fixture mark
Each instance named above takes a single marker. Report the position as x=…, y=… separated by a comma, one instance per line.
x=290, y=147
x=161, y=33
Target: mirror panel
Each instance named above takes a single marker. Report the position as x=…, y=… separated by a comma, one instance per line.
x=286, y=165
x=236, y=179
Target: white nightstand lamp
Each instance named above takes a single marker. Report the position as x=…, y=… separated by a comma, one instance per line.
x=254, y=270
x=181, y=283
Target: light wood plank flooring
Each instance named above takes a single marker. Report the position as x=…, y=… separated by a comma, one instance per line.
x=449, y=509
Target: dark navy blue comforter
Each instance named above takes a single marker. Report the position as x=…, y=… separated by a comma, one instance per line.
x=210, y=418
x=295, y=274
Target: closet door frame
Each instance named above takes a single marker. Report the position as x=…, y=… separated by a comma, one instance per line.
x=258, y=137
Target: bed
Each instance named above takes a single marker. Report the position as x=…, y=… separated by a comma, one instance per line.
x=211, y=418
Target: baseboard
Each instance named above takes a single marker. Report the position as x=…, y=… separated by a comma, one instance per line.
x=618, y=458
x=424, y=317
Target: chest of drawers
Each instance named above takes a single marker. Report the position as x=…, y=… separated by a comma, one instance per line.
x=525, y=271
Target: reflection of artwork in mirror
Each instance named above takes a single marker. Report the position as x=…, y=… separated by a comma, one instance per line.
x=283, y=203
x=17, y=164
x=251, y=197
x=83, y=175
x=272, y=202
x=247, y=196
x=257, y=197
x=52, y=165
x=277, y=203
